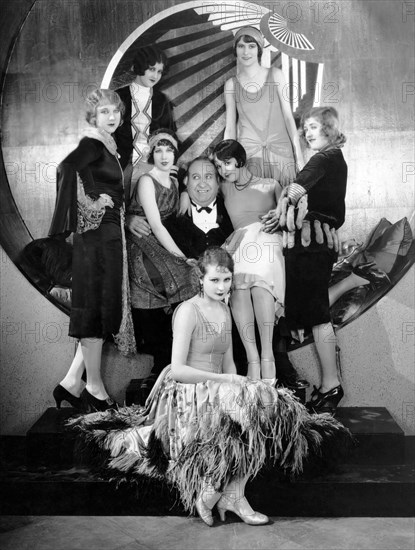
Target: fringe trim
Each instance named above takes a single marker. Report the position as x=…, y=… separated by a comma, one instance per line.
x=125, y=339
x=248, y=428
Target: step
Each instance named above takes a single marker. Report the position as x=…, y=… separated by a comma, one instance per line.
x=354, y=491
x=379, y=439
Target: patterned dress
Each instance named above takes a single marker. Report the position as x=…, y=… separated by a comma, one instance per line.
x=188, y=432
x=157, y=277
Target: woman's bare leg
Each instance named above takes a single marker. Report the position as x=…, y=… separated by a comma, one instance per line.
x=343, y=286
x=243, y=312
x=325, y=341
x=73, y=379
x=264, y=308
x=92, y=352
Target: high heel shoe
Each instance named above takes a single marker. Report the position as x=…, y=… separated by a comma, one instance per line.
x=206, y=500
x=228, y=504
x=93, y=404
x=325, y=402
x=61, y=394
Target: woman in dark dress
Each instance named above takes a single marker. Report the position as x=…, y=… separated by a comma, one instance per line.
x=310, y=211
x=89, y=203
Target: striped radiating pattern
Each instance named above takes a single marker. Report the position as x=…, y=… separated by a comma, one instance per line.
x=199, y=46
x=278, y=27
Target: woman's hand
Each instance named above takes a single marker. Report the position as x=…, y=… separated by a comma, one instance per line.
x=137, y=225
x=104, y=201
x=185, y=206
x=192, y=262
x=270, y=222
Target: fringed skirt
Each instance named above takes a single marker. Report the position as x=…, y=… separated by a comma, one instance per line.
x=190, y=432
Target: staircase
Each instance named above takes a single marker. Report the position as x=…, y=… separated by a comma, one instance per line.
x=42, y=477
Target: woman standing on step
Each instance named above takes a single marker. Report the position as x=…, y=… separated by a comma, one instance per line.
x=257, y=113
x=206, y=430
x=89, y=204
x=310, y=211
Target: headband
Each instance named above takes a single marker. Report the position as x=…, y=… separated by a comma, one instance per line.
x=249, y=31
x=155, y=139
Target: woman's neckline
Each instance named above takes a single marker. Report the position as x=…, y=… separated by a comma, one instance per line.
x=252, y=81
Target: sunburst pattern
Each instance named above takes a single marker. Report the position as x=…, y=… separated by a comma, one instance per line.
x=279, y=29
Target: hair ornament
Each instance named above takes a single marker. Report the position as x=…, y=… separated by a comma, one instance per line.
x=252, y=32
x=162, y=135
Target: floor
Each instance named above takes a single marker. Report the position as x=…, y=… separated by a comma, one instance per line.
x=170, y=532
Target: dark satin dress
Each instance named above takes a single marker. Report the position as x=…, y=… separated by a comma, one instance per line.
x=97, y=262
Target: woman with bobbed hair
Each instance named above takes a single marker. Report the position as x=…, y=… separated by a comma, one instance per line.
x=89, y=204
x=257, y=113
x=310, y=211
x=147, y=110
x=204, y=429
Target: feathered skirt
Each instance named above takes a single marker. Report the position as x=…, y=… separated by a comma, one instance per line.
x=189, y=432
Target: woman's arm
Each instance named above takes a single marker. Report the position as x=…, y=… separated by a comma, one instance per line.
x=279, y=79
x=230, y=104
x=147, y=197
x=183, y=326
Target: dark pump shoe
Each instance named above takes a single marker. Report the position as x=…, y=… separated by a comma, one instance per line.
x=325, y=402
x=92, y=404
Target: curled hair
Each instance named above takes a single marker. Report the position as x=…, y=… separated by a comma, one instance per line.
x=164, y=142
x=230, y=149
x=329, y=120
x=249, y=40
x=217, y=256
x=147, y=57
x=101, y=96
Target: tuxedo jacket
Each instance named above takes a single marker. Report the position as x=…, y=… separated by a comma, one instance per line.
x=161, y=117
x=191, y=240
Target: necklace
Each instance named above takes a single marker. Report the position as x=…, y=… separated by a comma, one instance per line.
x=242, y=186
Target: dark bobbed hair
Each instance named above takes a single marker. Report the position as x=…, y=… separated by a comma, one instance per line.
x=228, y=149
x=329, y=119
x=249, y=39
x=163, y=142
x=214, y=255
x=98, y=97
x=147, y=57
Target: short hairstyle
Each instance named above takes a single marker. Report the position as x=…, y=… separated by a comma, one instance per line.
x=329, y=119
x=101, y=96
x=214, y=255
x=228, y=149
x=163, y=142
x=147, y=57
x=249, y=39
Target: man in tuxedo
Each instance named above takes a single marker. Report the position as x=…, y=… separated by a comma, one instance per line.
x=207, y=224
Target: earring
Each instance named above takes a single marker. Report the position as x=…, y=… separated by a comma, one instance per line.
x=201, y=290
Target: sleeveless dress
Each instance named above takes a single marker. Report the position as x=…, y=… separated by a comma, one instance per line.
x=187, y=432
x=157, y=277
x=258, y=256
x=262, y=131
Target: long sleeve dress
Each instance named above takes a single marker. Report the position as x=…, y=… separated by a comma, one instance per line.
x=97, y=261
x=188, y=432
x=309, y=262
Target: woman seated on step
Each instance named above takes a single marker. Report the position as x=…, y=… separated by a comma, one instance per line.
x=206, y=430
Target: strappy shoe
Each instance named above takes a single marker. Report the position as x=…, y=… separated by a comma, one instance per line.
x=269, y=381
x=326, y=402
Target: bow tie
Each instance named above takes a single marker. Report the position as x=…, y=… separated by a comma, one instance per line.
x=200, y=208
